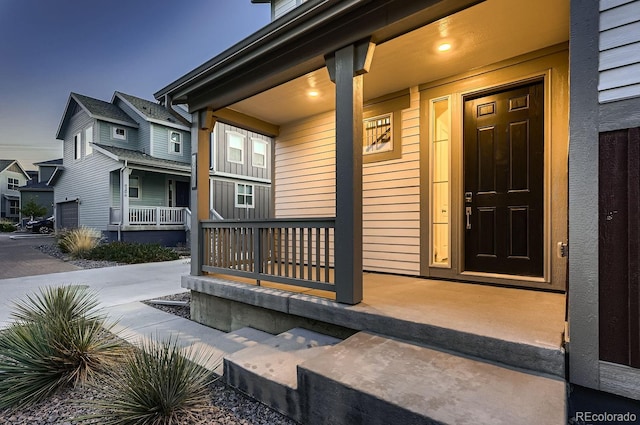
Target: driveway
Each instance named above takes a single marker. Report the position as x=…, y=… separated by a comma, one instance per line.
x=20, y=257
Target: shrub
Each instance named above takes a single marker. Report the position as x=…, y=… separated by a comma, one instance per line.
x=155, y=385
x=7, y=226
x=33, y=209
x=79, y=242
x=57, y=340
x=132, y=253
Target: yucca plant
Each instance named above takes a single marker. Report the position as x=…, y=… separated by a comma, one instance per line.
x=57, y=340
x=79, y=242
x=158, y=384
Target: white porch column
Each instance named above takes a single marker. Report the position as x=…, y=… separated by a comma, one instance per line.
x=125, y=172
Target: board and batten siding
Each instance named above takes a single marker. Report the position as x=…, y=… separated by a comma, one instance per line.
x=220, y=162
x=619, y=63
x=86, y=179
x=223, y=200
x=306, y=186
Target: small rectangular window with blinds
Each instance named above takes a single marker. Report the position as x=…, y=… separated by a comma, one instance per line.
x=378, y=134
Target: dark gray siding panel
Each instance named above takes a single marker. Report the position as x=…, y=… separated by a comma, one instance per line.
x=219, y=152
x=224, y=201
x=161, y=237
x=67, y=215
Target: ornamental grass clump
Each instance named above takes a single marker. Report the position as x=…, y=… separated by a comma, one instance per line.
x=158, y=384
x=58, y=339
x=79, y=242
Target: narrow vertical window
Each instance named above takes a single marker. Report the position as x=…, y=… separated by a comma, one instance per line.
x=134, y=187
x=259, y=154
x=439, y=177
x=235, y=147
x=88, y=141
x=175, y=142
x=77, y=146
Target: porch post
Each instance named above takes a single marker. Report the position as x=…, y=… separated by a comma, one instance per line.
x=201, y=127
x=124, y=196
x=346, y=68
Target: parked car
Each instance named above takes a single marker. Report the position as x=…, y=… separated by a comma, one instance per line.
x=44, y=226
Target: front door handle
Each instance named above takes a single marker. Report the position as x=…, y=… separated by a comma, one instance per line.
x=468, y=214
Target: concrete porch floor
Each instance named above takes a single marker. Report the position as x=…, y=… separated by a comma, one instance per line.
x=517, y=327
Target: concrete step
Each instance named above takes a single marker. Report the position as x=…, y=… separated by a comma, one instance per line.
x=268, y=371
x=138, y=322
x=370, y=379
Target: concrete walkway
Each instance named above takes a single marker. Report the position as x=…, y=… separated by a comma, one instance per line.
x=113, y=285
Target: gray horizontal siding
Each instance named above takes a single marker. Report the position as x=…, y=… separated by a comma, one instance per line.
x=280, y=7
x=619, y=61
x=160, y=143
x=143, y=132
x=224, y=201
x=86, y=179
x=105, y=132
x=153, y=189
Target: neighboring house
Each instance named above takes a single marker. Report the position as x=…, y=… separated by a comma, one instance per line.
x=125, y=169
x=432, y=139
x=38, y=189
x=134, y=155
x=12, y=176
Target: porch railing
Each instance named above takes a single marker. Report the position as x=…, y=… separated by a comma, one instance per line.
x=291, y=251
x=159, y=216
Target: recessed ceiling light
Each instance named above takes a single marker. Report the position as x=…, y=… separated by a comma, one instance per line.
x=444, y=47
x=313, y=93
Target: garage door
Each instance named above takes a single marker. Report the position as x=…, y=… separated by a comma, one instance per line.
x=67, y=215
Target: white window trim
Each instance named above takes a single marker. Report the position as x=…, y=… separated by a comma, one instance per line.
x=88, y=141
x=139, y=186
x=171, y=143
x=255, y=141
x=13, y=183
x=244, y=139
x=77, y=146
x=114, y=134
x=253, y=196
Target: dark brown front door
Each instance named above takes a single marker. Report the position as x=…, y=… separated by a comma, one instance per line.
x=503, y=181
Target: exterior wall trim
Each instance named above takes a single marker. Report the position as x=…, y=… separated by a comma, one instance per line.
x=583, y=345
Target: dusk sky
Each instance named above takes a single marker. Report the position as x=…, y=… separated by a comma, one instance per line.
x=95, y=47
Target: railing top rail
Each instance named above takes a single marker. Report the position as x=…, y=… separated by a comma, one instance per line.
x=277, y=222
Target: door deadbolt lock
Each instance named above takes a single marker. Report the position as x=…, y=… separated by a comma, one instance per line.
x=468, y=197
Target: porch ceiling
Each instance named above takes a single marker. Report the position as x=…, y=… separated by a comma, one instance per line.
x=489, y=32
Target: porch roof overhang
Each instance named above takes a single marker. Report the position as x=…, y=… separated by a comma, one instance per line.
x=297, y=44
x=140, y=160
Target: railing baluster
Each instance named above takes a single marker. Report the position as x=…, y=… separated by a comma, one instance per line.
x=294, y=242
x=301, y=253
x=279, y=250
x=326, y=254
x=309, y=255
x=317, y=254
x=286, y=252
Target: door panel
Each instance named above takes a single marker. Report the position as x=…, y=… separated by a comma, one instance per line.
x=504, y=174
